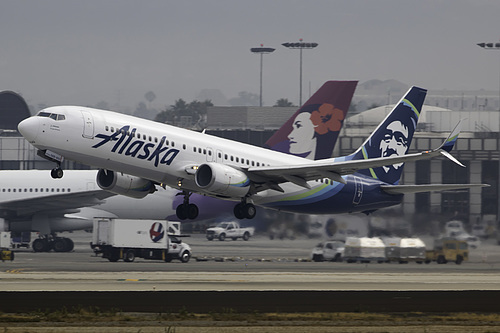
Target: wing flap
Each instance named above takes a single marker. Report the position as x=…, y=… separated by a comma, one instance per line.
x=405, y=189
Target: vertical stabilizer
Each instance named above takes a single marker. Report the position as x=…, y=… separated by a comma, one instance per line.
x=393, y=136
x=313, y=130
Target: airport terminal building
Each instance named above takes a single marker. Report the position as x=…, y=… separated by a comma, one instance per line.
x=477, y=148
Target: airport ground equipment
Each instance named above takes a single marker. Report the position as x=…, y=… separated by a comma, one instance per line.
x=330, y=251
x=364, y=249
x=5, y=252
x=126, y=239
x=404, y=250
x=231, y=230
x=448, y=249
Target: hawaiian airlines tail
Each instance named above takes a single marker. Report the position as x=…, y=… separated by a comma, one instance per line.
x=313, y=130
x=393, y=137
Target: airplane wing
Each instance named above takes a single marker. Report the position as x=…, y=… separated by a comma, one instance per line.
x=271, y=176
x=404, y=189
x=61, y=202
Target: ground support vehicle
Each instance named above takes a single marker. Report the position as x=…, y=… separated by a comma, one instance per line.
x=5, y=252
x=231, y=230
x=412, y=249
x=448, y=249
x=364, y=249
x=330, y=251
x=149, y=239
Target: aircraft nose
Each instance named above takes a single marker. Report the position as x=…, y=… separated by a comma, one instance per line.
x=29, y=128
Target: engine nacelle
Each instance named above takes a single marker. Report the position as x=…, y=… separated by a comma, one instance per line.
x=222, y=180
x=123, y=184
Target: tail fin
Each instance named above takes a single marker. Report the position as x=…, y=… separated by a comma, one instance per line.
x=393, y=136
x=313, y=130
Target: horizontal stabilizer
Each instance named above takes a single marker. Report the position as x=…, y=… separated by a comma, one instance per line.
x=405, y=189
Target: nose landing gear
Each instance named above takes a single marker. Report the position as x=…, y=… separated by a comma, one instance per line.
x=57, y=172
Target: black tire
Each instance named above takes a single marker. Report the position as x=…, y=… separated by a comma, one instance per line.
x=317, y=258
x=40, y=245
x=459, y=260
x=192, y=211
x=210, y=237
x=234, y=238
x=129, y=256
x=246, y=236
x=12, y=256
x=60, y=245
x=238, y=211
x=113, y=255
x=168, y=258
x=249, y=211
x=338, y=258
x=181, y=213
x=222, y=237
x=70, y=245
x=185, y=256
x=441, y=260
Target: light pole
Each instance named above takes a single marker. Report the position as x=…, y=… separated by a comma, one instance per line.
x=300, y=46
x=492, y=46
x=261, y=50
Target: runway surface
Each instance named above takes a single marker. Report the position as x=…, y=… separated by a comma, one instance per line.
x=260, y=274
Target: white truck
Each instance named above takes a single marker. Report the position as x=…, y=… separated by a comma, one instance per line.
x=364, y=249
x=149, y=239
x=232, y=230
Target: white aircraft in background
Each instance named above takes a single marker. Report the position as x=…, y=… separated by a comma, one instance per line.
x=145, y=154
x=32, y=202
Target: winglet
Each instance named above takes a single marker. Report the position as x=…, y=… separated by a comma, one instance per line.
x=452, y=138
x=449, y=143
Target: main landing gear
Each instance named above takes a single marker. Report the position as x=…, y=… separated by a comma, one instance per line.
x=51, y=242
x=244, y=210
x=57, y=172
x=186, y=210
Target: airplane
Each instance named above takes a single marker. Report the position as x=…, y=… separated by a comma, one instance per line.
x=30, y=202
x=140, y=154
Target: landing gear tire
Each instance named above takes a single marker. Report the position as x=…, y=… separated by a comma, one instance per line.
x=57, y=173
x=59, y=245
x=244, y=211
x=250, y=211
x=187, y=211
x=181, y=212
x=40, y=245
x=192, y=211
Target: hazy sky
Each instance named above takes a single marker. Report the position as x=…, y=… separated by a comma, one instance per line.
x=83, y=52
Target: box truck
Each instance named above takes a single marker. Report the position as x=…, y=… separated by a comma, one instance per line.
x=126, y=239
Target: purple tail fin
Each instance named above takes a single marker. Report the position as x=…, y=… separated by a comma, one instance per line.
x=313, y=130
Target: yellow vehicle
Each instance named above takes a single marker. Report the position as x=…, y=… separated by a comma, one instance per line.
x=6, y=254
x=448, y=249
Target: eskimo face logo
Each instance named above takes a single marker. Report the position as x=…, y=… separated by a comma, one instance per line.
x=137, y=148
x=156, y=232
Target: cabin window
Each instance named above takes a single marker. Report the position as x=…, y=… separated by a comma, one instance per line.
x=112, y=129
x=199, y=150
x=173, y=144
x=220, y=155
x=184, y=146
x=231, y=158
x=194, y=149
x=225, y=156
x=237, y=159
x=156, y=139
x=209, y=153
x=204, y=151
x=107, y=128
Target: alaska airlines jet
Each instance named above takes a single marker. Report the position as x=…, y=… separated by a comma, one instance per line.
x=134, y=153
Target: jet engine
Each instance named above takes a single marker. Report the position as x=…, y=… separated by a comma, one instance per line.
x=222, y=180
x=124, y=184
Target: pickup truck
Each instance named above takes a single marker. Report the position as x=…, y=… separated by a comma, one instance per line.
x=229, y=229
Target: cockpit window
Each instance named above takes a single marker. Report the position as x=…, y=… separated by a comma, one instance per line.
x=54, y=116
